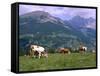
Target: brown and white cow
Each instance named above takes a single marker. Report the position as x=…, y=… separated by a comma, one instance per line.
x=82, y=49
x=64, y=50
x=37, y=51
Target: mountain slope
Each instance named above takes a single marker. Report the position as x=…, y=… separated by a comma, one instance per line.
x=44, y=29
x=39, y=21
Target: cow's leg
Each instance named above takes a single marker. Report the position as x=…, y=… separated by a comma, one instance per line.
x=84, y=50
x=30, y=53
x=80, y=51
x=34, y=56
x=43, y=54
x=39, y=55
x=69, y=52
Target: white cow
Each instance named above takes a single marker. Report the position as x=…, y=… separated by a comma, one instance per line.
x=40, y=51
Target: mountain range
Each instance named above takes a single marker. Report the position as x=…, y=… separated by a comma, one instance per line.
x=42, y=28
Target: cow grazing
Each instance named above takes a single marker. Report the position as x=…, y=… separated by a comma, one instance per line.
x=37, y=51
x=64, y=51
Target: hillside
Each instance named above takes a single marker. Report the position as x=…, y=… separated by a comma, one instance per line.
x=41, y=28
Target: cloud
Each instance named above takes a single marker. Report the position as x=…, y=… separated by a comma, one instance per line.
x=64, y=13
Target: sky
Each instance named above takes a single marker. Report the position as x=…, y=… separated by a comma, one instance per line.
x=64, y=13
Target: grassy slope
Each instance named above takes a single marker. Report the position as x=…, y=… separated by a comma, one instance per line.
x=57, y=61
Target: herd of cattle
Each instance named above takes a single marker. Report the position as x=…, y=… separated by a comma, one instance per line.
x=39, y=51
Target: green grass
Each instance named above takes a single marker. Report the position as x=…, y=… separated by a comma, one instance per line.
x=57, y=61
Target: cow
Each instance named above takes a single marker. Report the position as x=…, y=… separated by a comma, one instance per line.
x=93, y=51
x=37, y=51
x=82, y=49
x=64, y=50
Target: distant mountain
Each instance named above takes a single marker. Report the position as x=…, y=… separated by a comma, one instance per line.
x=41, y=28
x=80, y=22
x=84, y=25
